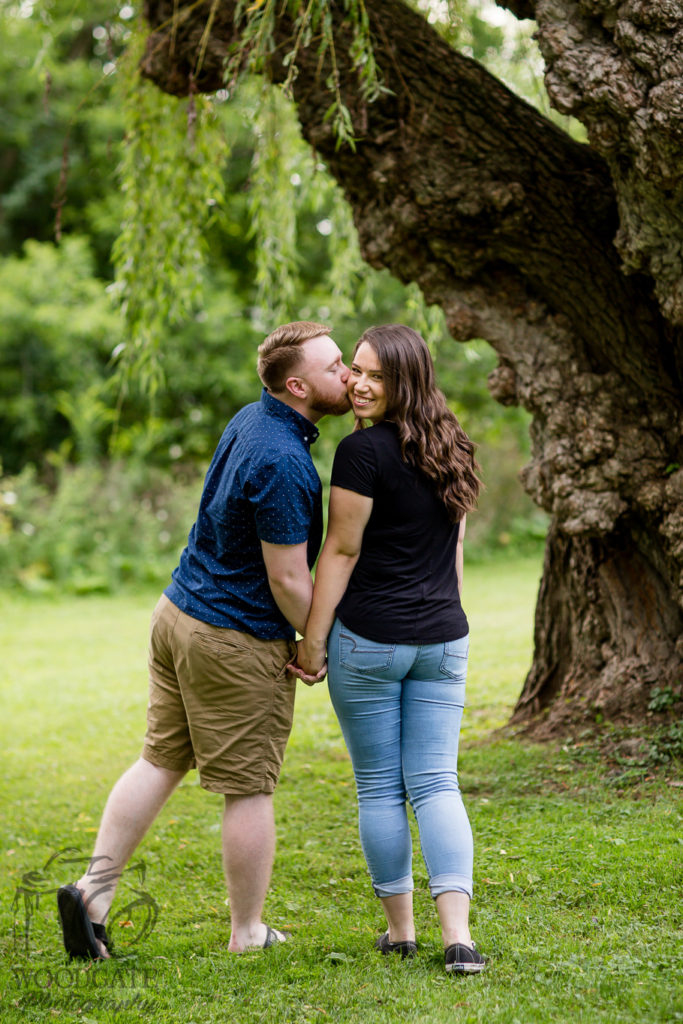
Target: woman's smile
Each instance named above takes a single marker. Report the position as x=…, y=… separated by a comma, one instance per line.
x=366, y=385
x=360, y=401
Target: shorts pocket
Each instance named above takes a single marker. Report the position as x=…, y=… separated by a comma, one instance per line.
x=361, y=655
x=221, y=646
x=454, y=661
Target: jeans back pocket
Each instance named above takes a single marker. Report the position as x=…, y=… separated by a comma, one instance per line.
x=454, y=661
x=361, y=655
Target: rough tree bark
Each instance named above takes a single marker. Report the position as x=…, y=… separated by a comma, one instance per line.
x=567, y=258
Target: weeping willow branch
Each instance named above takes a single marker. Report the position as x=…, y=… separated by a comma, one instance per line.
x=171, y=179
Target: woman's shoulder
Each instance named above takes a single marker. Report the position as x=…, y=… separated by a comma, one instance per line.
x=376, y=436
x=366, y=454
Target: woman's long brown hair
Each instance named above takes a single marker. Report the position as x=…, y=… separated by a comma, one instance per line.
x=431, y=438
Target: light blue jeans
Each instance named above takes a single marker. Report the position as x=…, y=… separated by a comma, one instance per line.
x=400, y=707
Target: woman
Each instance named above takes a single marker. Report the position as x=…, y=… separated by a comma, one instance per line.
x=386, y=608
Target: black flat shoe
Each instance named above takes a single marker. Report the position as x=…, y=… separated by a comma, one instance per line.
x=405, y=948
x=461, y=959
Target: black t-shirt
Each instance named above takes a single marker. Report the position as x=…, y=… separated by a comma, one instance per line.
x=404, y=587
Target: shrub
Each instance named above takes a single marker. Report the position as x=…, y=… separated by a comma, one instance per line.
x=101, y=526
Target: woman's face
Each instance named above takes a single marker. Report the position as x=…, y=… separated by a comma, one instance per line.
x=366, y=385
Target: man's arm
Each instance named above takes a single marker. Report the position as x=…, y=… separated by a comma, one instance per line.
x=290, y=580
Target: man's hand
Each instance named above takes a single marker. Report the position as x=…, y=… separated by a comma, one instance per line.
x=308, y=680
x=310, y=666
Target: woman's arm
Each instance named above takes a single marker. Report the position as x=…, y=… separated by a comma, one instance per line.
x=459, y=555
x=348, y=517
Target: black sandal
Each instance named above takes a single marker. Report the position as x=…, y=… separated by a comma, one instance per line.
x=80, y=934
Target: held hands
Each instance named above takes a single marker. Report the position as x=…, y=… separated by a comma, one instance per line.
x=309, y=666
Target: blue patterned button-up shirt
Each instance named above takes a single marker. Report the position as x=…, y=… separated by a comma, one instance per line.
x=261, y=486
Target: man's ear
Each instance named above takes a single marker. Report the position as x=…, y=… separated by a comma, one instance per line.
x=297, y=387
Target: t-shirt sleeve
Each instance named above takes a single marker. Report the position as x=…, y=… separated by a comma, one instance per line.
x=283, y=496
x=355, y=465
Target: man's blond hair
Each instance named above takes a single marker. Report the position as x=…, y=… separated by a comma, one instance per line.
x=280, y=354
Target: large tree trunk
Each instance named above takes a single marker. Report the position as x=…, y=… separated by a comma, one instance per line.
x=510, y=226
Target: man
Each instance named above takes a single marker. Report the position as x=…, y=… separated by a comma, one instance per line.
x=221, y=638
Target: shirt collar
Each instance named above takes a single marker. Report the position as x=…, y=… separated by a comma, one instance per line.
x=307, y=431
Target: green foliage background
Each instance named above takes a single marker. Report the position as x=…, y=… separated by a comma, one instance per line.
x=147, y=245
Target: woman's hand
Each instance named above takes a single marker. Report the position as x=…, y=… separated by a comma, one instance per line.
x=310, y=665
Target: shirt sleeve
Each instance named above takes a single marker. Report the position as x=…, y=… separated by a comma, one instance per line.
x=283, y=496
x=355, y=465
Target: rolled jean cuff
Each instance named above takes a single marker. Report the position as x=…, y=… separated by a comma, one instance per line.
x=401, y=885
x=450, y=883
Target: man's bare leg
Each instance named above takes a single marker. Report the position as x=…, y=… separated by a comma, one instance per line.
x=248, y=853
x=133, y=804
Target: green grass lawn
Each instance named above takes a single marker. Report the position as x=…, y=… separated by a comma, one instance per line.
x=578, y=878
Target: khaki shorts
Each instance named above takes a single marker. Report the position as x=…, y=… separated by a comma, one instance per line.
x=219, y=700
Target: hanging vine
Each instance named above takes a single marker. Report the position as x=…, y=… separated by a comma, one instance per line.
x=171, y=180
x=312, y=23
